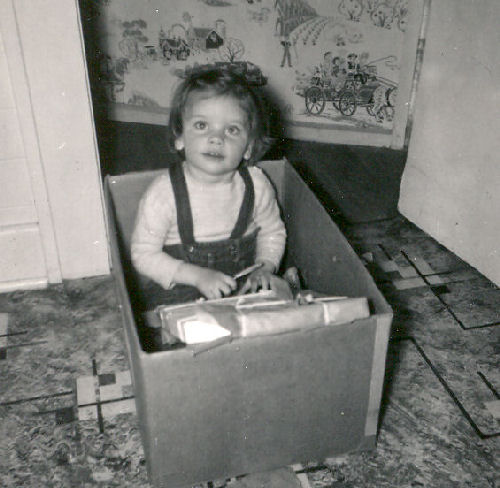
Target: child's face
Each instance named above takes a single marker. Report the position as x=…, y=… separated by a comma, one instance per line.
x=215, y=136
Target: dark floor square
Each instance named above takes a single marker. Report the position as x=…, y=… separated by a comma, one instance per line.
x=440, y=289
x=107, y=379
x=65, y=415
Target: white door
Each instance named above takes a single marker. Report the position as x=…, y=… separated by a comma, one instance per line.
x=28, y=257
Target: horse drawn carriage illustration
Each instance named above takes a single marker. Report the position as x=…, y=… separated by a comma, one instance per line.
x=348, y=92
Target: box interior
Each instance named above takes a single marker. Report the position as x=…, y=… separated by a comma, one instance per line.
x=325, y=260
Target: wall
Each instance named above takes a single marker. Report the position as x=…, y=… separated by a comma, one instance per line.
x=51, y=215
x=452, y=177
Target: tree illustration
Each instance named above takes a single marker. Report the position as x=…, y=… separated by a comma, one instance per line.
x=232, y=50
x=133, y=39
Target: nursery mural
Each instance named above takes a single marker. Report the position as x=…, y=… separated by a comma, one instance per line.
x=332, y=63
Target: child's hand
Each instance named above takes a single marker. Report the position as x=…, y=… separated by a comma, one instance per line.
x=214, y=284
x=260, y=279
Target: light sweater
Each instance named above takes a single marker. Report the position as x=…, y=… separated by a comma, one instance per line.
x=215, y=209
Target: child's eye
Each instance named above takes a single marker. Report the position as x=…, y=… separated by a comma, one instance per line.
x=200, y=125
x=233, y=130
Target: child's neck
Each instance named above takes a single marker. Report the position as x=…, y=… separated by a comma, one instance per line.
x=202, y=177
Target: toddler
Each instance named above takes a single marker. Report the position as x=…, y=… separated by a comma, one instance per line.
x=214, y=214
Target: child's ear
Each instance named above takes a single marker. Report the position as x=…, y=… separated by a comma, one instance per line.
x=179, y=144
x=248, y=152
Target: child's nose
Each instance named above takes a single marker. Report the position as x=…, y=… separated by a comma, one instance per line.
x=216, y=136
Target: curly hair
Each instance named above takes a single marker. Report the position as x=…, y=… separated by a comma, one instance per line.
x=222, y=81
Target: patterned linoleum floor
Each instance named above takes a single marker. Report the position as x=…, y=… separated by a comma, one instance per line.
x=67, y=413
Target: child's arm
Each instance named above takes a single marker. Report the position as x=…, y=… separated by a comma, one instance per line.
x=155, y=216
x=271, y=237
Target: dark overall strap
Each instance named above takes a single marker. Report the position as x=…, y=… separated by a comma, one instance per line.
x=246, y=209
x=185, y=216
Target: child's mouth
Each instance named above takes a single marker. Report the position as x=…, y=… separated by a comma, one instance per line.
x=214, y=155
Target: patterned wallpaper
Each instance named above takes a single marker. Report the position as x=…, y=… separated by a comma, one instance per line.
x=328, y=63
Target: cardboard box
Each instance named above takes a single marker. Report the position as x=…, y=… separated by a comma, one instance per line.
x=258, y=403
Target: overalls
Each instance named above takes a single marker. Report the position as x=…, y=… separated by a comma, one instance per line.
x=227, y=255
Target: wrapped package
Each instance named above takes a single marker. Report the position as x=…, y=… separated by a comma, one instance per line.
x=257, y=314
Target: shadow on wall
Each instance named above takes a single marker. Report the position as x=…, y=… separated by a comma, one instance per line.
x=354, y=183
x=130, y=146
